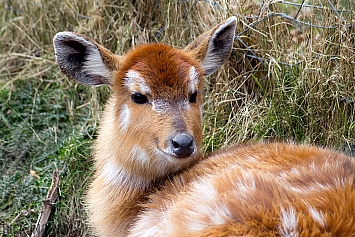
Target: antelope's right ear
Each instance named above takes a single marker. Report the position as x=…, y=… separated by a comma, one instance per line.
x=84, y=60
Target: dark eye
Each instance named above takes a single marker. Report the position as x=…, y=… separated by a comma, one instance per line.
x=138, y=98
x=193, y=97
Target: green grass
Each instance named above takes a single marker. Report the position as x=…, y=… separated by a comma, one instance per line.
x=304, y=94
x=44, y=128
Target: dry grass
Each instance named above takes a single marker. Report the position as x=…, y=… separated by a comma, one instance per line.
x=285, y=80
x=300, y=89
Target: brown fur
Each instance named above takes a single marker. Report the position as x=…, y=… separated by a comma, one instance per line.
x=165, y=70
x=274, y=176
x=140, y=189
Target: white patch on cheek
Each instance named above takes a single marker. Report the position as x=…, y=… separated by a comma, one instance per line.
x=124, y=118
x=139, y=155
x=133, y=79
x=194, y=79
x=112, y=174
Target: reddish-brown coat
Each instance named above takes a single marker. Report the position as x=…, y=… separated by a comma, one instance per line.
x=252, y=186
x=262, y=189
x=166, y=72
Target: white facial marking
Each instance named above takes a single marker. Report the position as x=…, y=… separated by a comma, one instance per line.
x=168, y=163
x=288, y=222
x=139, y=155
x=113, y=174
x=162, y=106
x=194, y=79
x=124, y=118
x=133, y=78
x=116, y=175
x=169, y=151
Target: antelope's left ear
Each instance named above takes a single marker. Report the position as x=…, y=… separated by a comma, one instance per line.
x=213, y=47
x=82, y=59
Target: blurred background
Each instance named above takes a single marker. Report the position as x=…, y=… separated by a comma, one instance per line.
x=290, y=78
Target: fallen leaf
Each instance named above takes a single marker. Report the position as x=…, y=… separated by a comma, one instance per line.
x=34, y=174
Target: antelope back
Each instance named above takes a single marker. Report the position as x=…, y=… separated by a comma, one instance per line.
x=256, y=190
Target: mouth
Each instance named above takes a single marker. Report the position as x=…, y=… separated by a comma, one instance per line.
x=178, y=147
x=171, y=156
x=171, y=153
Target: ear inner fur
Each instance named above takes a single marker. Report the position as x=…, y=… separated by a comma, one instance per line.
x=83, y=60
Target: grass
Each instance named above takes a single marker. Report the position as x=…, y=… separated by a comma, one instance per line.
x=40, y=133
x=301, y=89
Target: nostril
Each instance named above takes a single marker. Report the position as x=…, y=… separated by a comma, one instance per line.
x=175, y=143
x=183, y=145
x=182, y=140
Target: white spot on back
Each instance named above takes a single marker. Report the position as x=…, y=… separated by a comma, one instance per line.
x=133, y=79
x=295, y=171
x=145, y=228
x=212, y=207
x=125, y=115
x=317, y=216
x=198, y=215
x=251, y=159
x=246, y=184
x=288, y=222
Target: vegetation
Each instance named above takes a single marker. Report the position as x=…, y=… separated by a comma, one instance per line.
x=287, y=79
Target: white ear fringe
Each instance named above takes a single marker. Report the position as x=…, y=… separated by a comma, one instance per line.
x=216, y=57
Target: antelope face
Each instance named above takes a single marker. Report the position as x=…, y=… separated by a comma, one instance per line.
x=152, y=123
x=158, y=98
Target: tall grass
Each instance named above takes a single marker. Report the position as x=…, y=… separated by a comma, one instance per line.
x=285, y=80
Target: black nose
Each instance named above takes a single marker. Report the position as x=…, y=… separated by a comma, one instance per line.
x=183, y=145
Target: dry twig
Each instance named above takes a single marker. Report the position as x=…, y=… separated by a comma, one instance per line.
x=47, y=206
